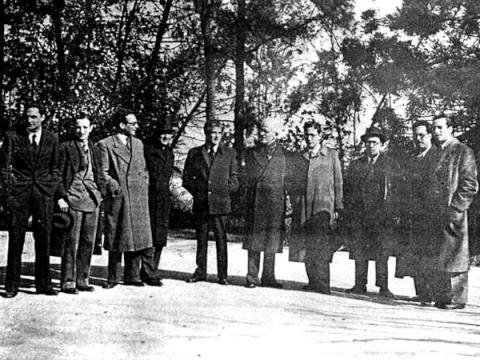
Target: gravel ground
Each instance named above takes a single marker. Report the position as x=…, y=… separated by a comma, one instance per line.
x=209, y=321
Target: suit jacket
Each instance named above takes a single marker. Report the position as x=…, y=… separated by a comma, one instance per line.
x=124, y=186
x=70, y=163
x=22, y=169
x=211, y=184
x=160, y=166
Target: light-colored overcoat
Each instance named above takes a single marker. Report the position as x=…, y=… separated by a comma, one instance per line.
x=124, y=185
x=455, y=187
x=323, y=191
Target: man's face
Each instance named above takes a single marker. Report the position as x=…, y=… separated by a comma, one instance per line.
x=423, y=139
x=312, y=137
x=34, y=119
x=83, y=128
x=213, y=135
x=441, y=130
x=266, y=133
x=130, y=125
x=165, y=139
x=373, y=146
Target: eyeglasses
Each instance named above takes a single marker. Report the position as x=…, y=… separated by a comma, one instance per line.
x=372, y=142
x=133, y=123
x=420, y=136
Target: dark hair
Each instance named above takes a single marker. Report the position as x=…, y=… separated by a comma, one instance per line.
x=312, y=124
x=81, y=115
x=423, y=123
x=120, y=116
x=209, y=125
x=32, y=105
x=448, y=119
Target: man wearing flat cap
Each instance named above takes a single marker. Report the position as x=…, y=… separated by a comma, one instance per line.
x=160, y=159
x=369, y=199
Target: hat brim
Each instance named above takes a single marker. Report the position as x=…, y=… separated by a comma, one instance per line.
x=365, y=137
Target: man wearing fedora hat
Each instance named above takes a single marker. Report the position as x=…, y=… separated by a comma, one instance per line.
x=79, y=195
x=369, y=196
x=160, y=159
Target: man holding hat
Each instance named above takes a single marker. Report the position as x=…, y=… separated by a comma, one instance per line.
x=369, y=195
x=160, y=159
x=79, y=196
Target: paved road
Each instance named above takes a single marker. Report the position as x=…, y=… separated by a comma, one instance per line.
x=208, y=321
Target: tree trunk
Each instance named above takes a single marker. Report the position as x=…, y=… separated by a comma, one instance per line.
x=239, y=111
x=62, y=80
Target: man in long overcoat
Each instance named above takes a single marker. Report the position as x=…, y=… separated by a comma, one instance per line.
x=369, y=197
x=160, y=159
x=455, y=187
x=211, y=176
x=266, y=181
x=79, y=195
x=29, y=166
x=124, y=184
x=315, y=210
x=419, y=212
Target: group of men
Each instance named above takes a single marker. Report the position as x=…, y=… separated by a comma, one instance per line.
x=431, y=193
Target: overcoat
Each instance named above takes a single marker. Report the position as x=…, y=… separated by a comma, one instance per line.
x=267, y=182
x=124, y=186
x=371, y=200
x=419, y=213
x=211, y=184
x=160, y=162
x=455, y=187
x=322, y=192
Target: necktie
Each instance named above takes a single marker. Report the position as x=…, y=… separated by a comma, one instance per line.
x=211, y=154
x=34, y=142
x=129, y=143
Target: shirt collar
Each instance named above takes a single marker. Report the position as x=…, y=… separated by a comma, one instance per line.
x=123, y=138
x=446, y=143
x=38, y=135
x=424, y=152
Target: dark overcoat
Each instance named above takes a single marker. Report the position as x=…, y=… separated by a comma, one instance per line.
x=322, y=192
x=160, y=162
x=124, y=186
x=455, y=187
x=211, y=184
x=419, y=213
x=371, y=199
x=267, y=182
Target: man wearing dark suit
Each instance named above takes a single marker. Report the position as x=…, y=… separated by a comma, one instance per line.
x=160, y=159
x=79, y=195
x=29, y=163
x=369, y=198
x=210, y=175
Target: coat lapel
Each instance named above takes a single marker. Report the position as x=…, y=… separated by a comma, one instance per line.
x=121, y=150
x=205, y=156
x=25, y=150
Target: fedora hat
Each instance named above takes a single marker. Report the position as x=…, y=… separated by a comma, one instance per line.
x=374, y=132
x=62, y=221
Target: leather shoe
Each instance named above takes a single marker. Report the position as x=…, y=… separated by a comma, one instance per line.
x=444, y=306
x=87, y=288
x=195, y=279
x=154, y=282
x=133, y=283
x=272, y=284
x=10, y=294
x=72, y=291
x=251, y=285
x=109, y=285
x=317, y=289
x=223, y=282
x=358, y=290
x=386, y=294
x=48, y=291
